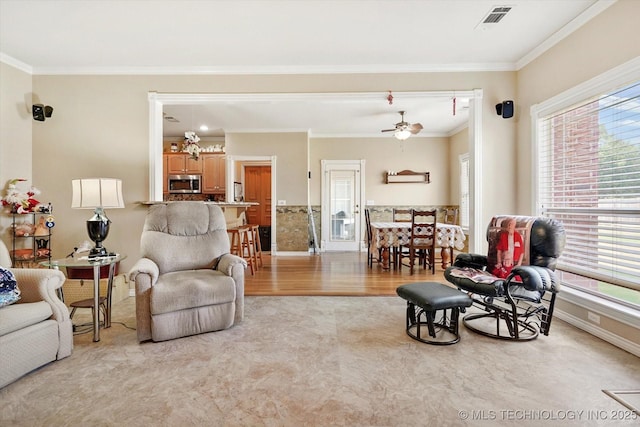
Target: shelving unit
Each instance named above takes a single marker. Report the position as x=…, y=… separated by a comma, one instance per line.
x=31, y=239
x=407, y=176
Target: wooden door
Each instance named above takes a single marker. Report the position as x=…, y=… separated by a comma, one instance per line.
x=258, y=189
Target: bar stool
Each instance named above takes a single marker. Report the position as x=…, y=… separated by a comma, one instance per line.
x=234, y=241
x=247, y=247
x=240, y=240
x=255, y=231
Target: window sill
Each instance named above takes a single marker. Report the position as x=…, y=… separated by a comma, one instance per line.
x=604, y=307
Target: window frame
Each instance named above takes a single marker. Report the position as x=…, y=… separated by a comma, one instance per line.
x=617, y=77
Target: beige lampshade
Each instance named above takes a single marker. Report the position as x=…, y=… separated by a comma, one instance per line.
x=91, y=193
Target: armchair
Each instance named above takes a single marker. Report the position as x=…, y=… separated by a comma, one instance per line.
x=514, y=285
x=186, y=282
x=36, y=329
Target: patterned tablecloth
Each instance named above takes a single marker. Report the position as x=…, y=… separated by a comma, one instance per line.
x=387, y=235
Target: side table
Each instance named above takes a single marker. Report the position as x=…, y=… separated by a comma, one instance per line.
x=96, y=263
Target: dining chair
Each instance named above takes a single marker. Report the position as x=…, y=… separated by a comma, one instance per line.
x=450, y=216
x=422, y=242
x=400, y=215
x=370, y=257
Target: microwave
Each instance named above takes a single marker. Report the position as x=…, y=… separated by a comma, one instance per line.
x=184, y=183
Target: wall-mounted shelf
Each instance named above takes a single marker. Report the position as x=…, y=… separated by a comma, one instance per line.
x=407, y=176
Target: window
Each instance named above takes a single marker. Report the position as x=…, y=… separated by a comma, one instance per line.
x=589, y=178
x=464, y=190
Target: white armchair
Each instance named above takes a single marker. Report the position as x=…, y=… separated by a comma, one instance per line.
x=37, y=329
x=186, y=282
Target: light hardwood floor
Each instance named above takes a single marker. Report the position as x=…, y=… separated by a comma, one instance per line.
x=330, y=273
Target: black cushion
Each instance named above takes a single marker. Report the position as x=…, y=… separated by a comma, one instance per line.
x=433, y=296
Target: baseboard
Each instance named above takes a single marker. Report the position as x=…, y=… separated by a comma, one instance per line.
x=597, y=331
x=293, y=253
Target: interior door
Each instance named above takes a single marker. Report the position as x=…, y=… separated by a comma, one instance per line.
x=341, y=202
x=258, y=189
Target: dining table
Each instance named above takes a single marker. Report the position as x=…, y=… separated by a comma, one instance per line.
x=388, y=235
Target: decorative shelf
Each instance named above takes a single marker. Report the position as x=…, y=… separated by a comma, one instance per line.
x=407, y=176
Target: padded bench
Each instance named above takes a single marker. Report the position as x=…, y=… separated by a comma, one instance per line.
x=426, y=298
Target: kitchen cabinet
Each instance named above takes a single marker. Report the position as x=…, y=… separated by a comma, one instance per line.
x=213, y=173
x=182, y=163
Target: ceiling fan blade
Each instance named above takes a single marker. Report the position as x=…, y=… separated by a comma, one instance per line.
x=415, y=128
x=388, y=130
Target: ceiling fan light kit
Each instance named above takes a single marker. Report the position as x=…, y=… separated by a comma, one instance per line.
x=404, y=130
x=402, y=134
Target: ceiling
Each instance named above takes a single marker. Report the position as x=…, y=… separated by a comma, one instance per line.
x=289, y=37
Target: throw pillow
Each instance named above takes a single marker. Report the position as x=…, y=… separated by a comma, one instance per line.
x=9, y=291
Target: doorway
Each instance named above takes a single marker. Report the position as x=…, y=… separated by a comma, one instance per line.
x=257, y=183
x=342, y=187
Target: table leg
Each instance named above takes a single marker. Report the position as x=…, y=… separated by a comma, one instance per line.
x=444, y=254
x=385, y=253
x=447, y=257
x=96, y=303
x=107, y=315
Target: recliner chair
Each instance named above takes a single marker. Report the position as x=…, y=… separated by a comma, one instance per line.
x=516, y=302
x=186, y=282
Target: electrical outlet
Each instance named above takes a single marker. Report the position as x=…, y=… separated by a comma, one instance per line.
x=282, y=202
x=370, y=202
x=593, y=317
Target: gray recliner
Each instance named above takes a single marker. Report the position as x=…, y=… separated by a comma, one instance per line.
x=186, y=282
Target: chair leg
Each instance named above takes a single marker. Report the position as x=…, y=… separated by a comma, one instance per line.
x=412, y=256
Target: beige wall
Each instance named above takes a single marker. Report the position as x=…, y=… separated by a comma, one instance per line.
x=384, y=154
x=16, y=122
x=290, y=150
x=458, y=145
x=610, y=39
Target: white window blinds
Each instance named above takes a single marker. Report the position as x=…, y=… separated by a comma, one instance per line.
x=589, y=178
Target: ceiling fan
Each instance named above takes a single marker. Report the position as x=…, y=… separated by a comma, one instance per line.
x=404, y=130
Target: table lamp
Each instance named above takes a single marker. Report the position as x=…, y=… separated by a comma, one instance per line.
x=98, y=194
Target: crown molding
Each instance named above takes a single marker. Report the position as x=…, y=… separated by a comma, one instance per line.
x=9, y=60
x=277, y=70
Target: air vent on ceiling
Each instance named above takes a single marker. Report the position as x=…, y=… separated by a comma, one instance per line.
x=171, y=119
x=496, y=14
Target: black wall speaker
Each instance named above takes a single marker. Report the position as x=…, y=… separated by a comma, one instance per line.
x=48, y=111
x=505, y=109
x=38, y=112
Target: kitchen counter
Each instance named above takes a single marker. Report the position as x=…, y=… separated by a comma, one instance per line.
x=234, y=212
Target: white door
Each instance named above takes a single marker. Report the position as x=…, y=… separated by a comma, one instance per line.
x=341, y=205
